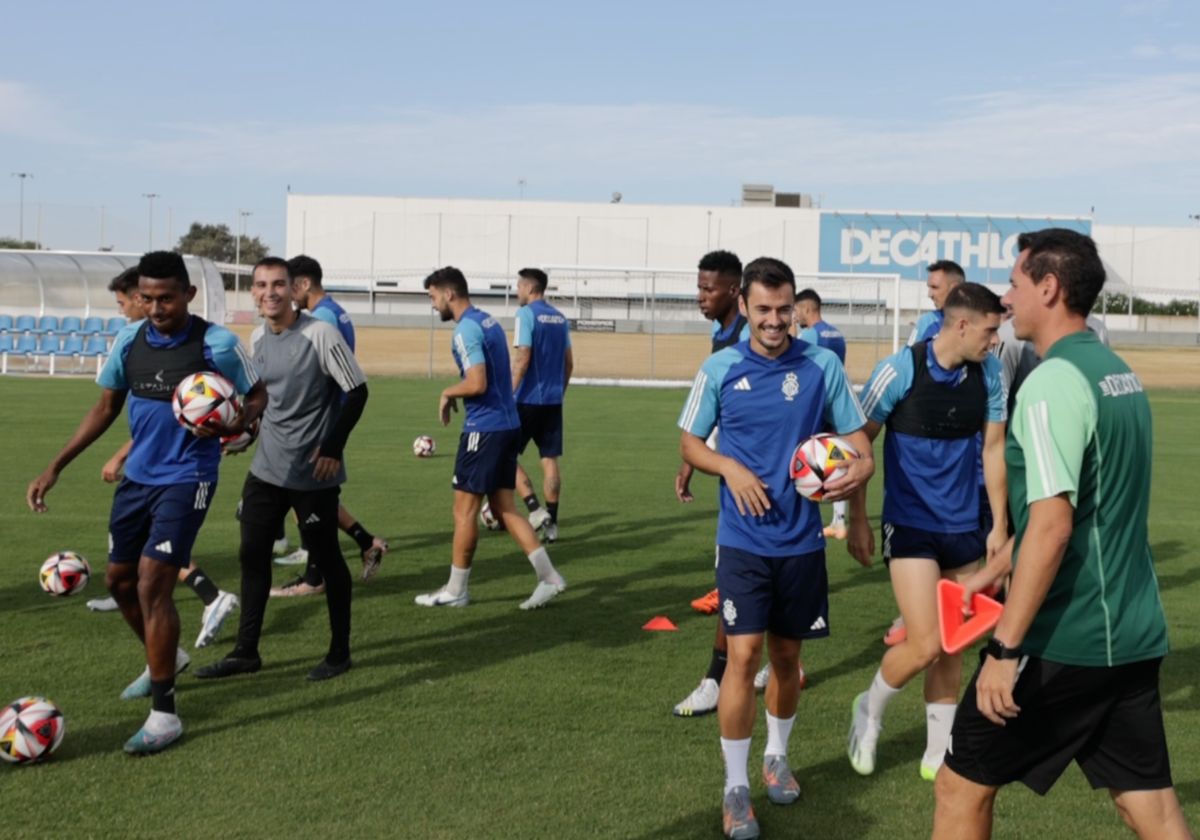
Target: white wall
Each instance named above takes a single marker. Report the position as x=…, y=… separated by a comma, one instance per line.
x=363, y=236
x=377, y=235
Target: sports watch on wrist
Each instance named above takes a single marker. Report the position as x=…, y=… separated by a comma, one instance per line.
x=998, y=650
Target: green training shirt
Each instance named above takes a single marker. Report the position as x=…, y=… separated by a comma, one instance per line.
x=1082, y=426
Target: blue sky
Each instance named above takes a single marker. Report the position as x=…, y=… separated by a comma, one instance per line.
x=1023, y=107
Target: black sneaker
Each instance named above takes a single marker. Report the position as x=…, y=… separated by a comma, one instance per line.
x=326, y=671
x=228, y=667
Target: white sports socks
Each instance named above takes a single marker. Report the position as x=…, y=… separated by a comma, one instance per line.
x=879, y=695
x=939, y=720
x=546, y=573
x=737, y=754
x=458, y=581
x=779, y=730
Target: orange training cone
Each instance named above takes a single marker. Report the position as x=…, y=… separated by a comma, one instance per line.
x=957, y=630
x=660, y=622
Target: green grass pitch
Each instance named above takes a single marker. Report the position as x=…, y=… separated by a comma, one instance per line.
x=490, y=722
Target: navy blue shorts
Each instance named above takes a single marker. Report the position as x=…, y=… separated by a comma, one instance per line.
x=951, y=551
x=543, y=425
x=157, y=520
x=787, y=597
x=486, y=462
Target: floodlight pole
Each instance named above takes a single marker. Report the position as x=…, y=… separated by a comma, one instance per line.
x=150, y=236
x=21, y=222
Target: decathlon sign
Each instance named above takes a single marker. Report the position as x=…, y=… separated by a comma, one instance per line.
x=985, y=246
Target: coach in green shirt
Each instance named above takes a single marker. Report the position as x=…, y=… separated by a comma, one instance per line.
x=1072, y=670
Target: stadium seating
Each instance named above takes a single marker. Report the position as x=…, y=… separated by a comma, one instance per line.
x=45, y=325
x=97, y=348
x=70, y=325
x=25, y=324
x=6, y=347
x=114, y=326
x=93, y=326
x=48, y=346
x=6, y=324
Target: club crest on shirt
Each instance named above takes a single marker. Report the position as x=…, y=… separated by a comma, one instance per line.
x=791, y=386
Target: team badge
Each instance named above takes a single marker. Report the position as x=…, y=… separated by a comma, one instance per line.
x=730, y=612
x=791, y=386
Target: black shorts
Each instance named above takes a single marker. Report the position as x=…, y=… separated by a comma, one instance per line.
x=787, y=597
x=486, y=462
x=951, y=551
x=1109, y=720
x=265, y=504
x=543, y=425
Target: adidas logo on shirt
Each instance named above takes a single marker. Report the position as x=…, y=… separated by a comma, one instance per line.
x=313, y=519
x=819, y=624
x=164, y=547
x=742, y=385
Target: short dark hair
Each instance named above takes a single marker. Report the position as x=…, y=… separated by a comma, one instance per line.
x=973, y=297
x=305, y=266
x=768, y=272
x=448, y=278
x=809, y=295
x=274, y=262
x=164, y=265
x=724, y=263
x=535, y=276
x=950, y=268
x=126, y=282
x=1072, y=258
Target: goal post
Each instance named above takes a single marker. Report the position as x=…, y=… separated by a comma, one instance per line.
x=640, y=326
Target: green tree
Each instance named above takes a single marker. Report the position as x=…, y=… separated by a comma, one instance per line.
x=218, y=243
x=13, y=242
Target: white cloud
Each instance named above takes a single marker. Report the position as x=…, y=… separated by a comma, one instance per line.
x=1186, y=52
x=1147, y=51
x=1045, y=133
x=1145, y=7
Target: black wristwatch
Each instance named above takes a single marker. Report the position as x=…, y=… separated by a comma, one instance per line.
x=998, y=650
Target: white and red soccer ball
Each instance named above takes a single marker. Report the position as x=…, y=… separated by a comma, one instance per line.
x=488, y=519
x=64, y=573
x=817, y=460
x=30, y=730
x=203, y=398
x=424, y=447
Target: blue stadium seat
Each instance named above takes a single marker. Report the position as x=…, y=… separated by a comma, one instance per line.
x=93, y=326
x=72, y=346
x=70, y=324
x=114, y=326
x=48, y=347
x=25, y=323
x=26, y=344
x=46, y=324
x=96, y=346
x=6, y=347
x=6, y=323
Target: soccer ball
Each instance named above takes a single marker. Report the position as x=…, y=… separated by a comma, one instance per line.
x=424, y=447
x=64, y=573
x=488, y=519
x=202, y=397
x=30, y=730
x=240, y=443
x=819, y=459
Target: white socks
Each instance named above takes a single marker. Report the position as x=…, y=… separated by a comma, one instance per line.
x=160, y=723
x=879, y=695
x=939, y=720
x=839, y=512
x=778, y=732
x=737, y=755
x=458, y=581
x=546, y=573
